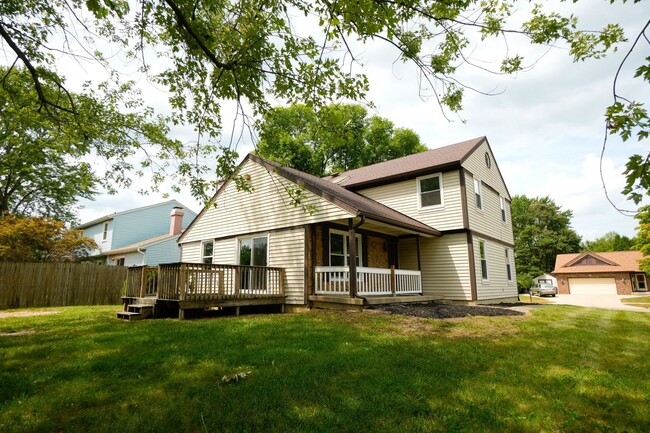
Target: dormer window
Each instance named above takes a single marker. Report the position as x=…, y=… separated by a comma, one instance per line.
x=430, y=191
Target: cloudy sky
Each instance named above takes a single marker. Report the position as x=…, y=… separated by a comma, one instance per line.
x=545, y=128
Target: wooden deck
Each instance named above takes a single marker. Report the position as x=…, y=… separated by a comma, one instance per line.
x=193, y=286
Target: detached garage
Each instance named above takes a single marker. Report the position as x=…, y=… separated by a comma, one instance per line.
x=612, y=273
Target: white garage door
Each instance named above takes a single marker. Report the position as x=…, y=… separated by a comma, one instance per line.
x=592, y=286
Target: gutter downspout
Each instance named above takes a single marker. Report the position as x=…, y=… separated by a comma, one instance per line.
x=143, y=255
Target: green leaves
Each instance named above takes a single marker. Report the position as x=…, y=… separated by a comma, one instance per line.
x=333, y=139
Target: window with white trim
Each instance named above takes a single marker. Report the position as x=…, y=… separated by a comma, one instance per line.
x=503, y=208
x=253, y=251
x=483, y=255
x=339, y=243
x=508, y=265
x=207, y=251
x=430, y=191
x=478, y=191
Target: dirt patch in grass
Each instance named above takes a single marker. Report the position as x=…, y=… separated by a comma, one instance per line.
x=440, y=311
x=26, y=313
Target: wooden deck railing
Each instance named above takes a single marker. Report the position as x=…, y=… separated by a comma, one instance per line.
x=335, y=280
x=141, y=281
x=198, y=282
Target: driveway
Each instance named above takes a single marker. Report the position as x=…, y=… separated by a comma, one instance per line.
x=610, y=302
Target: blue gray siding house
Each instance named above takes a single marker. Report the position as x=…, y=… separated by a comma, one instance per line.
x=142, y=236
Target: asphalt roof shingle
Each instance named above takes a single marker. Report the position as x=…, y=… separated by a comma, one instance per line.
x=623, y=261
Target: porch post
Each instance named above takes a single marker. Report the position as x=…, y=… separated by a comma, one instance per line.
x=417, y=243
x=352, y=252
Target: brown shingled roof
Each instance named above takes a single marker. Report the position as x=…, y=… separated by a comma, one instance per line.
x=348, y=200
x=410, y=165
x=622, y=261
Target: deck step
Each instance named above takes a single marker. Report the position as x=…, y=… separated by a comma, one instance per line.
x=141, y=306
x=130, y=315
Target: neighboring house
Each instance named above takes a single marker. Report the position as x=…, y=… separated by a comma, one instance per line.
x=546, y=278
x=600, y=273
x=143, y=236
x=436, y=224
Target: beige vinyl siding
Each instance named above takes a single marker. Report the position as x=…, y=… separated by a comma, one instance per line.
x=287, y=250
x=191, y=252
x=403, y=197
x=225, y=252
x=488, y=221
x=445, y=265
x=497, y=285
x=267, y=208
x=475, y=163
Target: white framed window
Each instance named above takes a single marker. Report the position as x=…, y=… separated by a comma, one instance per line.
x=483, y=255
x=478, y=191
x=503, y=208
x=508, y=265
x=105, y=231
x=339, y=254
x=254, y=251
x=207, y=251
x=430, y=191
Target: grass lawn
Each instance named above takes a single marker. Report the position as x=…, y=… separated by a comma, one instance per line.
x=559, y=369
x=637, y=301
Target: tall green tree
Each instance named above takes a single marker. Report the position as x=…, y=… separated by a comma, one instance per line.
x=643, y=237
x=610, y=241
x=334, y=138
x=542, y=230
x=44, y=152
x=257, y=52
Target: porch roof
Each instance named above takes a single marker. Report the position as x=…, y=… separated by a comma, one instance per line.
x=354, y=203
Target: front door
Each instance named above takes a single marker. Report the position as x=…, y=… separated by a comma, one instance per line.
x=253, y=252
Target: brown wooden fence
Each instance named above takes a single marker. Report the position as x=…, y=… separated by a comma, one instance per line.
x=59, y=284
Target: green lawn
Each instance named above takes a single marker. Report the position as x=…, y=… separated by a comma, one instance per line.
x=559, y=369
x=637, y=301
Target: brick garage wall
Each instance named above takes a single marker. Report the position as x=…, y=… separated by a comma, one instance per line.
x=623, y=282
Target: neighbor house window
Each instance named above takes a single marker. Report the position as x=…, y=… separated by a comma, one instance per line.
x=483, y=254
x=339, y=255
x=105, y=231
x=478, y=190
x=119, y=262
x=207, y=251
x=430, y=191
x=508, y=266
x=503, y=209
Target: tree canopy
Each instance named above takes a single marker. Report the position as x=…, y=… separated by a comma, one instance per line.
x=643, y=237
x=334, y=138
x=610, y=241
x=260, y=52
x=34, y=239
x=542, y=230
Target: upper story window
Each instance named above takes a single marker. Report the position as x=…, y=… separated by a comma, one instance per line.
x=478, y=190
x=503, y=208
x=339, y=254
x=430, y=191
x=105, y=231
x=207, y=251
x=483, y=254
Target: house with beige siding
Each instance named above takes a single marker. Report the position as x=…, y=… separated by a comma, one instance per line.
x=430, y=226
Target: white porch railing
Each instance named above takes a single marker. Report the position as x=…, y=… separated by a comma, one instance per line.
x=335, y=280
